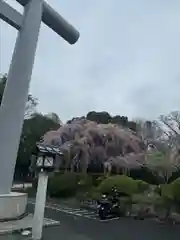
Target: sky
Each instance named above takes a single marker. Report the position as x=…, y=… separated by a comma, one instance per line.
x=126, y=62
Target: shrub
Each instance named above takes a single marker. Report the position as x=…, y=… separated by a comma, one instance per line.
x=167, y=191
x=63, y=185
x=84, y=182
x=142, y=186
x=98, y=180
x=123, y=184
x=145, y=199
x=176, y=189
x=31, y=191
x=94, y=194
x=68, y=184
x=157, y=190
x=167, y=199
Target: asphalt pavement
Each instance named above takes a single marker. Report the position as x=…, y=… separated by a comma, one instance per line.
x=79, y=227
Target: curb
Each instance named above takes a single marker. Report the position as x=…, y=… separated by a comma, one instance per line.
x=14, y=219
x=19, y=231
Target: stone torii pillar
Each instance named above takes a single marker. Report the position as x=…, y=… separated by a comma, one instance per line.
x=19, y=76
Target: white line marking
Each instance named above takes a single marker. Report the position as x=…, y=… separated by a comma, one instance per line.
x=76, y=212
x=90, y=213
x=93, y=218
x=58, y=209
x=110, y=219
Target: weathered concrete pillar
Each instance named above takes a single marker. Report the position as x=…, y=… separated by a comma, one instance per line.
x=16, y=92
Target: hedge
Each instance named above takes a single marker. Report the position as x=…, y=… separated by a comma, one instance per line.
x=68, y=184
x=123, y=184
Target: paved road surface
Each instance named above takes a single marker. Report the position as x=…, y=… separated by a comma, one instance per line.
x=80, y=227
x=78, y=224
x=74, y=211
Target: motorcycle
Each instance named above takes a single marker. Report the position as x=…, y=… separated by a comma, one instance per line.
x=108, y=208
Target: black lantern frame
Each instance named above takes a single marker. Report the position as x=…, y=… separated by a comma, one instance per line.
x=45, y=158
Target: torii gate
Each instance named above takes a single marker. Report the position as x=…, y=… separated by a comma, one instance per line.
x=19, y=76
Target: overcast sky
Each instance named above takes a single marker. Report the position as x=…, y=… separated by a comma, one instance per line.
x=127, y=60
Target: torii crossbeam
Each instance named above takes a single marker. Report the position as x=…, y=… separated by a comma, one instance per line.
x=19, y=76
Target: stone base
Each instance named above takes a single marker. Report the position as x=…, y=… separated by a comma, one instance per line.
x=19, y=226
x=12, y=205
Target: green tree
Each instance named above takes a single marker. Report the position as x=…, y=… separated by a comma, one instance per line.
x=3, y=79
x=120, y=120
x=132, y=125
x=99, y=117
x=33, y=129
x=31, y=104
x=54, y=117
